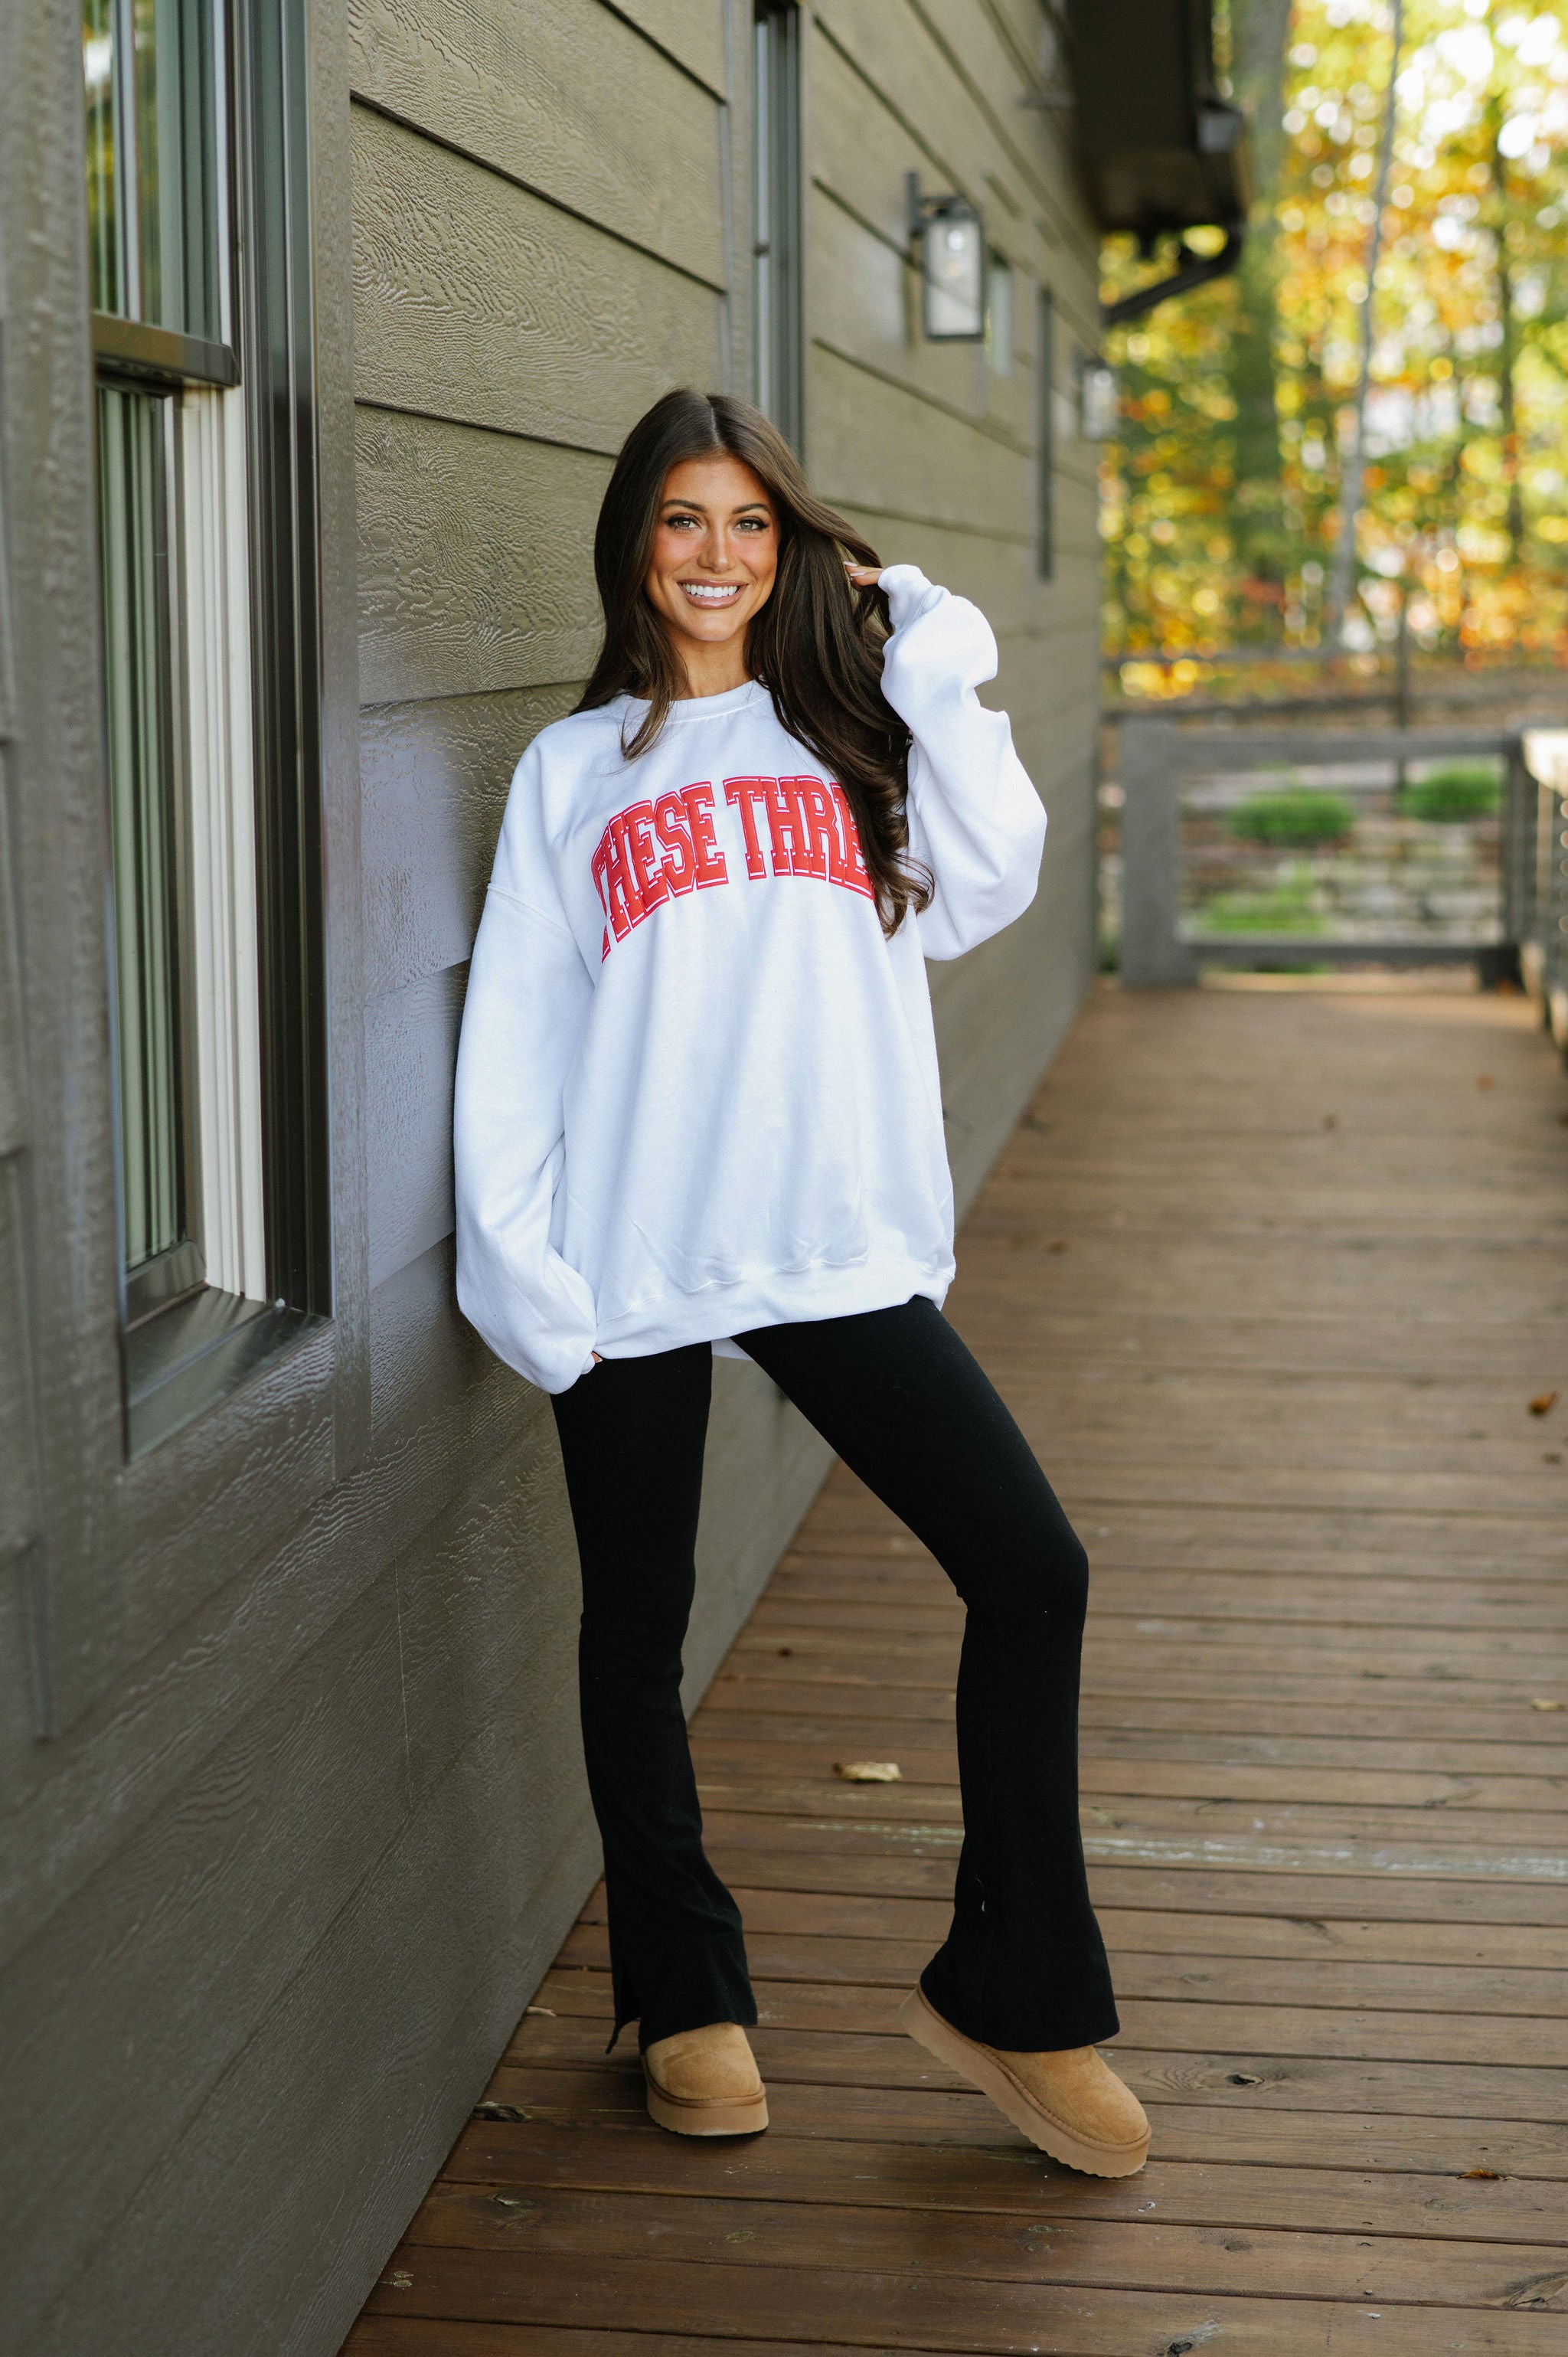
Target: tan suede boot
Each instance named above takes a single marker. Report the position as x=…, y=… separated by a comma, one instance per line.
x=704, y=2083
x=1070, y=2103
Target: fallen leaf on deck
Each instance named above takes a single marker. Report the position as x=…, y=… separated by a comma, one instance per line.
x=547, y=2010
x=1481, y=2172
x=1543, y=1402
x=869, y=1771
x=1539, y=1702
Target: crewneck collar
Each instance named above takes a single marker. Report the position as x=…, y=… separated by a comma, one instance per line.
x=701, y=707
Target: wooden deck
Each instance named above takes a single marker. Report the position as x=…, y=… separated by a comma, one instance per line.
x=1271, y=1278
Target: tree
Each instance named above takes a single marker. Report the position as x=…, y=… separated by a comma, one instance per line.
x=1225, y=493
x=1351, y=481
x=1259, y=29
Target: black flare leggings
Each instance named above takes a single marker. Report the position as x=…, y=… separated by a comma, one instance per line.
x=901, y=1399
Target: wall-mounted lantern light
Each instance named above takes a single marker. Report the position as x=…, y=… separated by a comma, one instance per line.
x=948, y=237
x=1098, y=399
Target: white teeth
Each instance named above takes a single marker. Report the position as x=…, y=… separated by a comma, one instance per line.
x=712, y=594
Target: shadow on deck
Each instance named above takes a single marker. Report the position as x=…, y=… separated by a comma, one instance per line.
x=1274, y=1281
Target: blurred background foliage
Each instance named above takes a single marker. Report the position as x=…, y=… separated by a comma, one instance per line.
x=1239, y=415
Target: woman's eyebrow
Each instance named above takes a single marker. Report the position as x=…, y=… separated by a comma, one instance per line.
x=695, y=507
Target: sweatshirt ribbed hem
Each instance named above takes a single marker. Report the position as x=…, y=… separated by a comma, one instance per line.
x=788, y=1297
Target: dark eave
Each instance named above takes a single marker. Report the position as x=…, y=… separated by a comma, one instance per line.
x=1159, y=148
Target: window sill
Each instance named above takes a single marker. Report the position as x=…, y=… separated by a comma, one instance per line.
x=184, y=1359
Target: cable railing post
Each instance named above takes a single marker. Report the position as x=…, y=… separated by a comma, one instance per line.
x=1153, y=952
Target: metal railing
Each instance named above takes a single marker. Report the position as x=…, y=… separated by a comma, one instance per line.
x=1160, y=761
x=1540, y=907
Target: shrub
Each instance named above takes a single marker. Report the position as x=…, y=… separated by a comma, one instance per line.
x=1294, y=815
x=1449, y=797
x=1288, y=909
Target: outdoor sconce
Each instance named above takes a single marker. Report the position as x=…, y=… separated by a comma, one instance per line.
x=950, y=236
x=1098, y=399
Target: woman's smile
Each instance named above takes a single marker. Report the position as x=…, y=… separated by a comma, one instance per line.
x=711, y=592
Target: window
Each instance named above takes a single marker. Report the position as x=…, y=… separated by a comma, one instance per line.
x=204, y=477
x=776, y=284
x=1000, y=333
x=1045, y=437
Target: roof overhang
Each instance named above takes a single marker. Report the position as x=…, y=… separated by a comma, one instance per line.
x=1159, y=147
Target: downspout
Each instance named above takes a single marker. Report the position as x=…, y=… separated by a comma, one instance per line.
x=1197, y=273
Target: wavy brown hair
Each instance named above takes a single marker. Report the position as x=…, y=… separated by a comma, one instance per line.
x=816, y=645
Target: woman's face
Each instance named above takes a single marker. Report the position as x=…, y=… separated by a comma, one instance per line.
x=716, y=552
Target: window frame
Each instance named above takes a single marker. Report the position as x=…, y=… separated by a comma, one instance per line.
x=777, y=232
x=185, y=1344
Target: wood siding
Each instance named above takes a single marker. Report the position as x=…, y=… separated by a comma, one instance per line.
x=306, y=1820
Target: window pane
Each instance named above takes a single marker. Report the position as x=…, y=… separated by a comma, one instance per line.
x=134, y=431
x=103, y=156
x=150, y=68
x=777, y=151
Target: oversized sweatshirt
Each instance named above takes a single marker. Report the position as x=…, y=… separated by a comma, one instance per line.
x=697, y=1087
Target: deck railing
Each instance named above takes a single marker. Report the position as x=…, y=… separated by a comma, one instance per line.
x=1161, y=760
x=1542, y=894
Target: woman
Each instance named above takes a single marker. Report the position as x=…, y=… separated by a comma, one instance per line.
x=698, y=1110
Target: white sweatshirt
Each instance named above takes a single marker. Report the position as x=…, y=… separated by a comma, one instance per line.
x=697, y=1088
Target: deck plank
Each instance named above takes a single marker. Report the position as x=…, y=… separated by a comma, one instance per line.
x=1270, y=1284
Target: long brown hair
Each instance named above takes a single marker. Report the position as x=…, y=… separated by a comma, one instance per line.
x=816, y=645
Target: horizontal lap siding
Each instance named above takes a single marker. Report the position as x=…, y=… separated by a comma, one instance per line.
x=476, y=300
x=435, y=777
x=565, y=99
x=282, y=1894
x=475, y=572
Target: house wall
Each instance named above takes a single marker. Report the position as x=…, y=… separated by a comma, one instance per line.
x=294, y=1815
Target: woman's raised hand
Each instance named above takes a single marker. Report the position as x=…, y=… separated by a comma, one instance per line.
x=863, y=576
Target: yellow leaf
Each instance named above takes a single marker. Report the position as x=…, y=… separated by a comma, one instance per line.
x=869, y=1771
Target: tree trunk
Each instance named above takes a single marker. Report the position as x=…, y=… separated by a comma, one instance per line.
x=1260, y=29
x=1342, y=578
x=1507, y=355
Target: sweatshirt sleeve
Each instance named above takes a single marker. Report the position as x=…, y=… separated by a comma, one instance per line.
x=975, y=820
x=528, y=996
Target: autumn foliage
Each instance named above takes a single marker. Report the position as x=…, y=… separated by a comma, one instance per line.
x=1221, y=498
